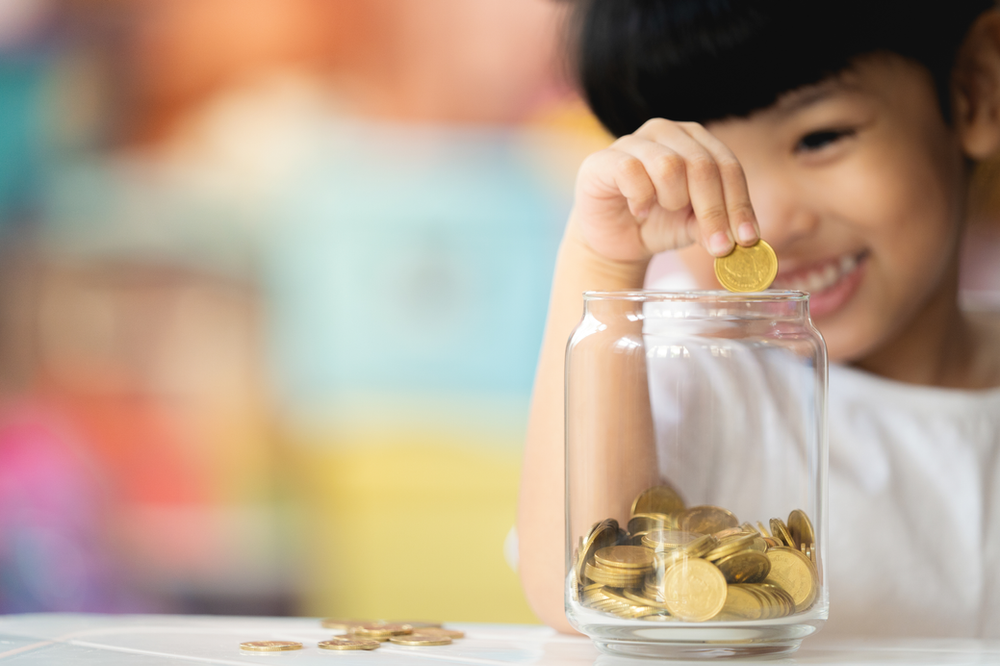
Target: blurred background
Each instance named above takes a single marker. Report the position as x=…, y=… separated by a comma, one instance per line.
x=273, y=276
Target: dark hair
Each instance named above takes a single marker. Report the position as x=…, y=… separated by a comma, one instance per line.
x=706, y=60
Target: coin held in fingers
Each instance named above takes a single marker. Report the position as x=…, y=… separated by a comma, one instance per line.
x=747, y=269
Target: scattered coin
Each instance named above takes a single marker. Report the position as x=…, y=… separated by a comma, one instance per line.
x=380, y=631
x=270, y=646
x=349, y=644
x=439, y=631
x=420, y=640
x=747, y=269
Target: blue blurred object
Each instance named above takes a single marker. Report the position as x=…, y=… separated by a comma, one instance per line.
x=414, y=259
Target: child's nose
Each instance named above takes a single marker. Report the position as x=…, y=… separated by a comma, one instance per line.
x=784, y=215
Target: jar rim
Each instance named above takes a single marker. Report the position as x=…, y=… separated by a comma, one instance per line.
x=695, y=296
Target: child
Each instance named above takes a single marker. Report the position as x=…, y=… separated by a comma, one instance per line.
x=844, y=134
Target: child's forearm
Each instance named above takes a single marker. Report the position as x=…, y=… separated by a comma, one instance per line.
x=541, y=517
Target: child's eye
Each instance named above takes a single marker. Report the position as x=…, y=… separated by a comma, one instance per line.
x=817, y=140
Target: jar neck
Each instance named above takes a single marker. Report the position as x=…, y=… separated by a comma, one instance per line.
x=638, y=306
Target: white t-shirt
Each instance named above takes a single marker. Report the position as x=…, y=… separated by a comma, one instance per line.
x=914, y=481
x=914, y=511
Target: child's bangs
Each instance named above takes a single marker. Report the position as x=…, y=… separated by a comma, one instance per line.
x=705, y=60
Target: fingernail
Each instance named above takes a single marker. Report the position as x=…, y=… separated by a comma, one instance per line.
x=720, y=243
x=747, y=233
x=643, y=213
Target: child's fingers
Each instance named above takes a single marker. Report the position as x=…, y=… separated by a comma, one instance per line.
x=704, y=181
x=665, y=167
x=742, y=219
x=619, y=173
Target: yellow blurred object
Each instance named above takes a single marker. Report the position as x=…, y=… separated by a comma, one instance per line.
x=405, y=524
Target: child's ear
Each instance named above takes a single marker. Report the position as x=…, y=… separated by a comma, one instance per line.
x=976, y=88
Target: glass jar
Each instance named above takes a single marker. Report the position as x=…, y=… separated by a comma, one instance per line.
x=696, y=463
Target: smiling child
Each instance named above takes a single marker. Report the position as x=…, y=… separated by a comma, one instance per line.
x=845, y=135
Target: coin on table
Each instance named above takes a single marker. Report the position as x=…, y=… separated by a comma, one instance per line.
x=748, y=566
x=381, y=631
x=625, y=557
x=694, y=590
x=801, y=528
x=349, y=644
x=270, y=646
x=780, y=532
x=794, y=573
x=747, y=269
x=658, y=499
x=706, y=520
x=439, y=631
x=420, y=640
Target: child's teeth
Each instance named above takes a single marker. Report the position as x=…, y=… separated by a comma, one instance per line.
x=814, y=282
x=830, y=275
x=847, y=263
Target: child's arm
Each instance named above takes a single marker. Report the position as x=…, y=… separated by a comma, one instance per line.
x=662, y=188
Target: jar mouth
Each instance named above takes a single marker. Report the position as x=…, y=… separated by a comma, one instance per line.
x=697, y=296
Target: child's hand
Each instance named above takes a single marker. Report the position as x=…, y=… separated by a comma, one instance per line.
x=662, y=188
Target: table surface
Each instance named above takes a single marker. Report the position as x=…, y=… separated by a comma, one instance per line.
x=161, y=640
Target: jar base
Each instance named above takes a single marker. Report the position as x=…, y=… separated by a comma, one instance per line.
x=690, y=651
x=710, y=640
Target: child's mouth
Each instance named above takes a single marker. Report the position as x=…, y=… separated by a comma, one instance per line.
x=830, y=283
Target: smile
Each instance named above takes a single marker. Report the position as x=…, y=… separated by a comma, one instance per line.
x=830, y=283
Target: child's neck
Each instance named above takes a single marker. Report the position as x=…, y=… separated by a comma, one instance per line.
x=941, y=346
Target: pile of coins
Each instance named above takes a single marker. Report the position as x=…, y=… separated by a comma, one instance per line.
x=367, y=635
x=696, y=564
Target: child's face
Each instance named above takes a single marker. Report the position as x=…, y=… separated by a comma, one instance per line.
x=859, y=185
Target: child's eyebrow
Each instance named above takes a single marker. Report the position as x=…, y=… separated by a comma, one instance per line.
x=797, y=100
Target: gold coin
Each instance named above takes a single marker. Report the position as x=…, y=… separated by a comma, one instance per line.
x=602, y=535
x=694, y=590
x=645, y=522
x=730, y=546
x=643, y=600
x=420, y=640
x=270, y=646
x=625, y=557
x=348, y=644
x=748, y=566
x=763, y=530
x=439, y=631
x=747, y=268
x=339, y=623
x=795, y=574
x=742, y=604
x=667, y=539
x=780, y=532
x=658, y=499
x=801, y=528
x=380, y=630
x=706, y=520
x=612, y=579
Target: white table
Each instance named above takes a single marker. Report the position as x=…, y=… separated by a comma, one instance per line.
x=161, y=640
